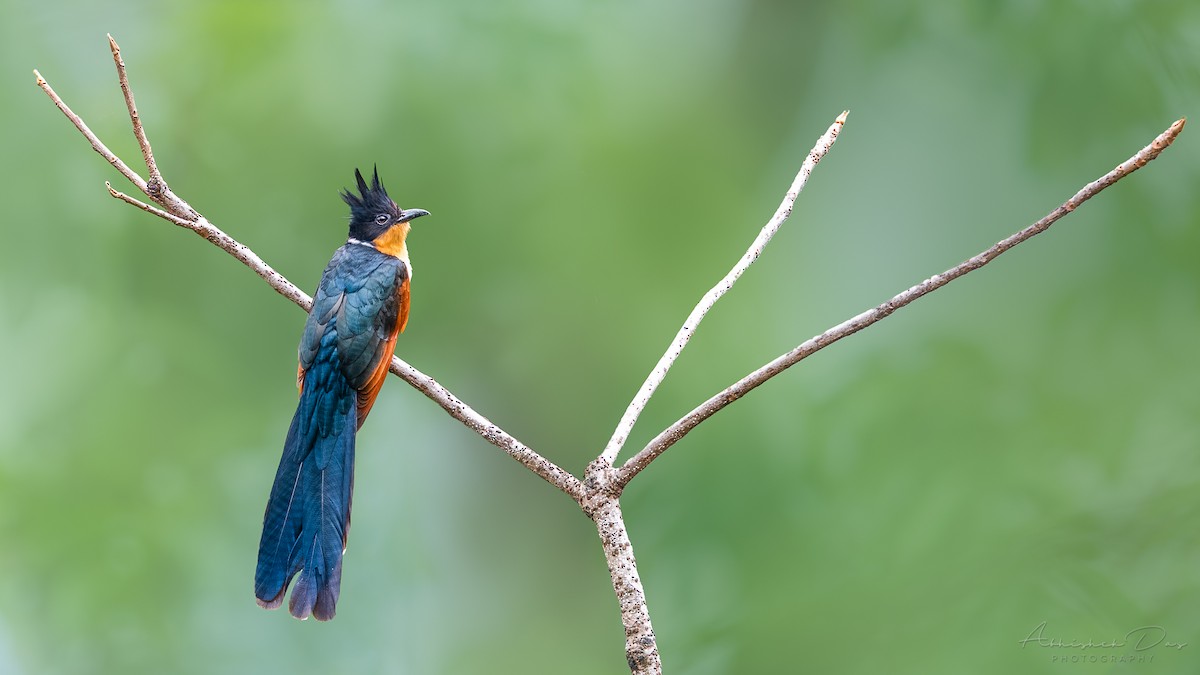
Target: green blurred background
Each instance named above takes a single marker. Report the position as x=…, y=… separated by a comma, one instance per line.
x=1021, y=447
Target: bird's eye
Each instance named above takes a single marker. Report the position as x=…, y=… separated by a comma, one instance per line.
x=381, y=219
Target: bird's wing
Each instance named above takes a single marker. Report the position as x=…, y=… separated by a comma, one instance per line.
x=371, y=318
x=383, y=353
x=327, y=304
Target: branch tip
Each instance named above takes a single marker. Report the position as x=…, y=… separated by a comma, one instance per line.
x=680, y=428
x=841, y=119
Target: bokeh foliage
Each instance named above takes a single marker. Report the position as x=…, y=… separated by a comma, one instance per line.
x=1020, y=447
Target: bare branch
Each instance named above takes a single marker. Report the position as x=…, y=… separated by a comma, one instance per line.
x=156, y=187
x=659, y=372
x=493, y=434
x=147, y=208
x=138, y=130
x=735, y=391
x=180, y=213
x=87, y=133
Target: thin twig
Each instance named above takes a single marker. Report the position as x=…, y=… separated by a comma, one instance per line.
x=713, y=405
x=92, y=138
x=138, y=130
x=183, y=215
x=659, y=372
x=147, y=208
x=156, y=187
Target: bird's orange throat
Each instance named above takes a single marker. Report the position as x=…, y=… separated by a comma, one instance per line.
x=394, y=241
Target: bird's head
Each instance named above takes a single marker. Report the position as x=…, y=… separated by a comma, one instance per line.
x=374, y=215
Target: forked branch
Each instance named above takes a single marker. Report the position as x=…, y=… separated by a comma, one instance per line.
x=679, y=429
x=177, y=211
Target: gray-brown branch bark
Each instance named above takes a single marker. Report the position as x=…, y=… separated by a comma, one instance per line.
x=679, y=429
x=603, y=506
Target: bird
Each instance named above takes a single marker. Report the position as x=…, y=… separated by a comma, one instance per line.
x=360, y=307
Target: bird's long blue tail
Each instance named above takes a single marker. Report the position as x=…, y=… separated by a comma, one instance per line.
x=308, y=513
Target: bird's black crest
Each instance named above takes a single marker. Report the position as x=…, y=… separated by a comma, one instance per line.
x=371, y=200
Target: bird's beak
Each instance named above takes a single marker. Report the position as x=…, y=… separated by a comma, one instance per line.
x=408, y=214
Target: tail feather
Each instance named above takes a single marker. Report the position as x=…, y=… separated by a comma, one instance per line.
x=308, y=513
x=283, y=521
